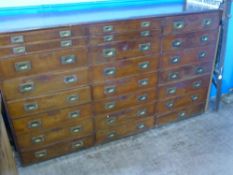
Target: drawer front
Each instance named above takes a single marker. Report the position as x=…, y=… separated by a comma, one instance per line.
x=184, y=87
x=51, y=119
x=172, y=104
x=187, y=56
x=72, y=131
x=185, y=72
x=189, y=40
x=180, y=114
x=192, y=22
x=109, y=120
x=120, y=69
x=126, y=85
x=123, y=101
x=63, y=99
x=64, y=59
x=44, y=83
x=56, y=150
x=124, y=130
x=124, y=26
x=123, y=50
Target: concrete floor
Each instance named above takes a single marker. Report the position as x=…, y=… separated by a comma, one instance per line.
x=199, y=146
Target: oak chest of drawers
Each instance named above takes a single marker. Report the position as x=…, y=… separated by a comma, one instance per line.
x=71, y=87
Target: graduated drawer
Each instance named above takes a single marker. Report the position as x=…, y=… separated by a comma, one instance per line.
x=56, y=150
x=63, y=59
x=24, y=49
x=189, y=40
x=191, y=22
x=124, y=85
x=120, y=131
x=112, y=119
x=72, y=130
x=51, y=119
x=180, y=114
x=169, y=105
x=183, y=87
x=43, y=84
x=123, y=50
x=187, y=56
x=185, y=72
x=62, y=99
x=124, y=26
x=120, y=69
x=42, y=35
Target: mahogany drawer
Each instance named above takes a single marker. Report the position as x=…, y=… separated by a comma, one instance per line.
x=187, y=56
x=28, y=106
x=189, y=23
x=111, y=71
x=180, y=114
x=123, y=101
x=189, y=40
x=124, y=130
x=124, y=26
x=44, y=83
x=72, y=130
x=123, y=50
x=185, y=72
x=168, y=105
x=42, y=35
x=55, y=150
x=63, y=59
x=51, y=119
x=112, y=119
x=124, y=85
x=183, y=87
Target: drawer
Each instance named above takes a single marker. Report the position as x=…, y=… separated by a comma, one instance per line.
x=125, y=85
x=123, y=101
x=124, y=130
x=180, y=114
x=124, y=50
x=124, y=26
x=44, y=83
x=169, y=105
x=134, y=35
x=63, y=59
x=189, y=40
x=184, y=87
x=120, y=69
x=52, y=119
x=42, y=35
x=53, y=101
x=185, y=72
x=192, y=22
x=112, y=119
x=71, y=131
x=41, y=47
x=55, y=150
x=187, y=56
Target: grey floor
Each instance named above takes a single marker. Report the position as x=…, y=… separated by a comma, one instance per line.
x=199, y=146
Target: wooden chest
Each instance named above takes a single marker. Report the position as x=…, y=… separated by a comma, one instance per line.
x=71, y=87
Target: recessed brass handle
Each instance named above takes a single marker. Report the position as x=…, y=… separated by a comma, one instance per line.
x=73, y=98
x=175, y=60
x=74, y=114
x=145, y=47
x=23, y=66
x=110, y=120
x=111, y=71
x=141, y=126
x=78, y=144
x=108, y=38
x=19, y=50
x=207, y=22
x=141, y=112
x=199, y=70
x=76, y=129
x=70, y=79
x=145, y=24
x=110, y=90
x=144, y=65
x=202, y=54
x=196, y=84
x=171, y=91
x=178, y=25
x=194, y=97
x=30, y=107
x=66, y=43
x=41, y=154
x=26, y=87
x=145, y=33
x=170, y=104
x=110, y=52
x=17, y=39
x=110, y=105
x=143, y=82
x=177, y=43
x=108, y=28
x=204, y=38
x=65, y=33
x=173, y=75
x=34, y=124
x=69, y=59
x=38, y=139
x=143, y=97
x=111, y=135
x=181, y=115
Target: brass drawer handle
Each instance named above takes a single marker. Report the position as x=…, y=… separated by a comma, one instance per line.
x=141, y=112
x=143, y=97
x=199, y=70
x=110, y=90
x=202, y=54
x=196, y=84
x=174, y=75
x=19, y=50
x=181, y=115
x=73, y=98
x=145, y=47
x=41, y=154
x=69, y=59
x=178, y=25
x=170, y=104
x=175, y=60
x=144, y=65
x=17, y=39
x=30, y=107
x=111, y=135
x=108, y=38
x=23, y=66
x=171, y=91
x=141, y=126
x=108, y=28
x=74, y=114
x=66, y=43
x=207, y=22
x=76, y=129
x=78, y=145
x=65, y=33
x=110, y=105
x=143, y=82
x=110, y=71
x=145, y=24
x=204, y=38
x=177, y=43
x=38, y=139
x=194, y=97
x=34, y=124
x=70, y=79
x=26, y=87
x=145, y=33
x=110, y=52
x=110, y=120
